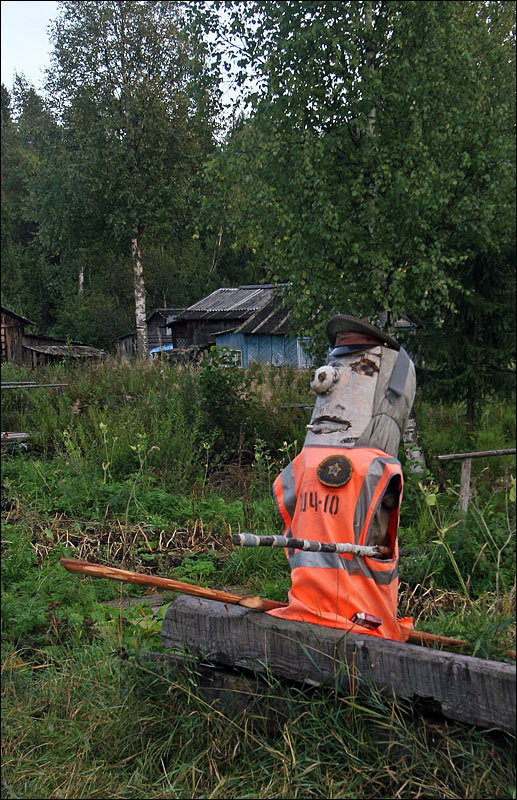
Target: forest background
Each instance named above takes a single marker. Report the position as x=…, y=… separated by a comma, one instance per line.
x=370, y=166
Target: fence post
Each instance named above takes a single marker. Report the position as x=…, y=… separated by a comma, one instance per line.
x=465, y=485
x=466, y=463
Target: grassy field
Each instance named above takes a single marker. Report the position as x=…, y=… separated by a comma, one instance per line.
x=152, y=468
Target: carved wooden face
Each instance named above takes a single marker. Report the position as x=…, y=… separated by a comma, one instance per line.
x=346, y=389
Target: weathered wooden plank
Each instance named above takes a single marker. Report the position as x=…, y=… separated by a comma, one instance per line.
x=478, y=454
x=155, y=601
x=467, y=689
x=13, y=437
x=29, y=385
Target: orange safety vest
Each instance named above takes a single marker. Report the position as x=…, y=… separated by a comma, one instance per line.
x=329, y=588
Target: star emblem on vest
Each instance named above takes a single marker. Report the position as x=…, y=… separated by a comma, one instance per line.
x=334, y=471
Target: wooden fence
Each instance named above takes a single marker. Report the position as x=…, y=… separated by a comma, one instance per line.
x=466, y=459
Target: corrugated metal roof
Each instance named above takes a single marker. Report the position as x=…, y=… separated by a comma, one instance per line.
x=229, y=303
x=270, y=320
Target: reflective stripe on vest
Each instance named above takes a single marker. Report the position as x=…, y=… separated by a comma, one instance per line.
x=328, y=588
x=354, y=565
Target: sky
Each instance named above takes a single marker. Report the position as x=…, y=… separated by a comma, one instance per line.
x=26, y=47
x=25, y=43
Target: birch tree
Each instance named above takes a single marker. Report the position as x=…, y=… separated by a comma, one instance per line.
x=137, y=105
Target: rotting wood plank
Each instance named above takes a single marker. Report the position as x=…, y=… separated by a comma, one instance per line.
x=467, y=689
x=155, y=601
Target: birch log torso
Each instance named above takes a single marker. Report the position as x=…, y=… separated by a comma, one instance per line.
x=346, y=486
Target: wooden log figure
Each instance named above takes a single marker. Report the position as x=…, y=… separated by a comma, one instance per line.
x=345, y=486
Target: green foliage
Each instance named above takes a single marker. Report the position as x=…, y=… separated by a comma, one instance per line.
x=178, y=425
x=468, y=357
x=375, y=170
x=201, y=570
x=47, y=604
x=442, y=430
x=116, y=146
x=224, y=404
x=265, y=573
x=135, y=134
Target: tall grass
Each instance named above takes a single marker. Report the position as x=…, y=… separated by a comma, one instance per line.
x=86, y=725
x=137, y=465
x=192, y=420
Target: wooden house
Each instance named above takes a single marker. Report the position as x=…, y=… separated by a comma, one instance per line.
x=12, y=330
x=264, y=339
x=33, y=349
x=158, y=332
x=226, y=309
x=125, y=345
x=249, y=320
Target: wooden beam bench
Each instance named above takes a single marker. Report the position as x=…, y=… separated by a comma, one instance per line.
x=467, y=689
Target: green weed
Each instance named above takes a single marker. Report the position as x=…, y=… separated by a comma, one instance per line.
x=123, y=468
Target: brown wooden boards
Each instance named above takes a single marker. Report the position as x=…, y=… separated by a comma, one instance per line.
x=467, y=689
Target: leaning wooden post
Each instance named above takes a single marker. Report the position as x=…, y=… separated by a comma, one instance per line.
x=466, y=465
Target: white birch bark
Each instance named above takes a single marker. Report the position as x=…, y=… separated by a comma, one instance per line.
x=142, y=345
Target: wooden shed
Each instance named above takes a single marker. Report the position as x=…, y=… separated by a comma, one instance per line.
x=13, y=326
x=39, y=350
x=264, y=339
x=223, y=310
x=125, y=345
x=158, y=332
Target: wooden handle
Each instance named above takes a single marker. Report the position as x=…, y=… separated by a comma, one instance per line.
x=100, y=571
x=422, y=637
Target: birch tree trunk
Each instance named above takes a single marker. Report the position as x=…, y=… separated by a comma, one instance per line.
x=142, y=345
x=370, y=56
x=81, y=281
x=385, y=315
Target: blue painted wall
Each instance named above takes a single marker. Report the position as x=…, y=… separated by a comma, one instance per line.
x=276, y=350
